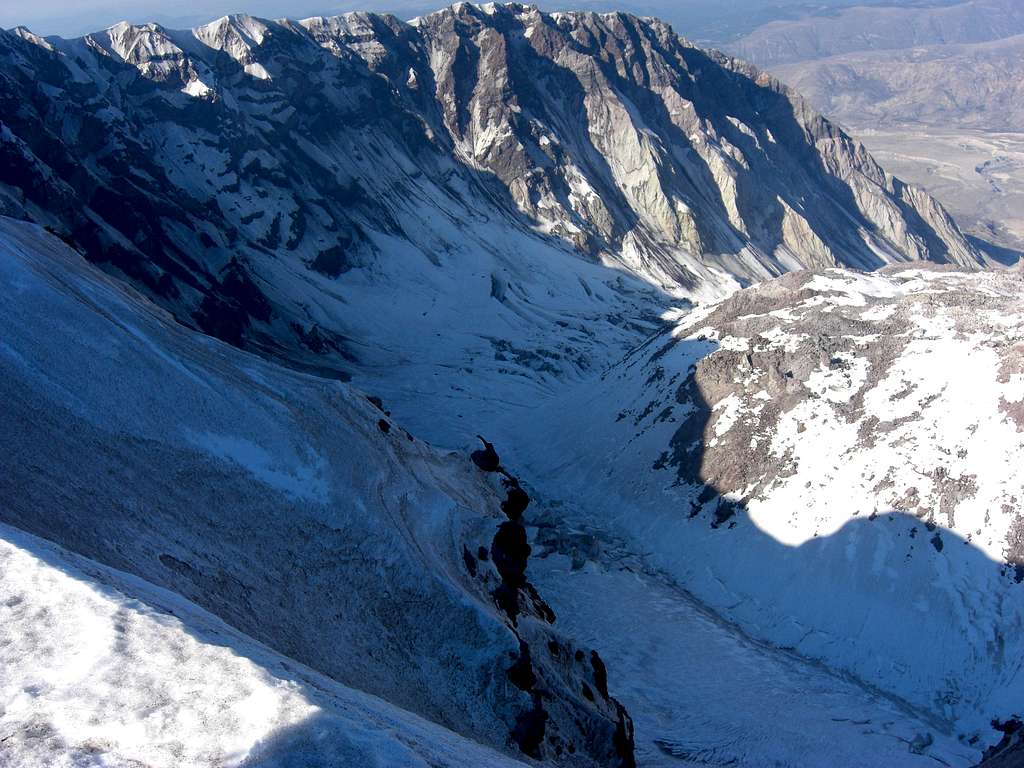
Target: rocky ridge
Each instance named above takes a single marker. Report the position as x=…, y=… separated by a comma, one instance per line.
x=278, y=183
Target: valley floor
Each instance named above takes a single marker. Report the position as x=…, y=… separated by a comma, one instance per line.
x=102, y=668
x=703, y=694
x=977, y=175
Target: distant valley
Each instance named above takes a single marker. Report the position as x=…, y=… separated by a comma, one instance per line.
x=936, y=92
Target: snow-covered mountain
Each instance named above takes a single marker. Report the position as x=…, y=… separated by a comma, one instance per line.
x=338, y=548
x=835, y=461
x=781, y=498
x=338, y=192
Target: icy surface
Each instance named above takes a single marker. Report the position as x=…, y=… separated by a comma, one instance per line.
x=701, y=693
x=217, y=496
x=285, y=504
x=829, y=463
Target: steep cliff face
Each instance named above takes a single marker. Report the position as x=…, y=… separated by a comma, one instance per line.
x=280, y=184
x=614, y=126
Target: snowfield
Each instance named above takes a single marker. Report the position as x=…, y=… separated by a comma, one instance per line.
x=701, y=692
x=293, y=269
x=331, y=554
x=281, y=556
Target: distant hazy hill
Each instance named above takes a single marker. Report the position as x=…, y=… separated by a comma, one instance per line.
x=935, y=93
x=874, y=27
x=978, y=85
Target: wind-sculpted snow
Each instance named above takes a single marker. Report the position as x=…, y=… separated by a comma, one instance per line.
x=835, y=461
x=339, y=192
x=101, y=668
x=289, y=506
x=701, y=691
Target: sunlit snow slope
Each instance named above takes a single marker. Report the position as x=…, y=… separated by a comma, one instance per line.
x=102, y=668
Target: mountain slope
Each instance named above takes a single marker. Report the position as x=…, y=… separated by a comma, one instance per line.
x=286, y=505
x=832, y=460
x=473, y=215
x=205, y=471
x=339, y=192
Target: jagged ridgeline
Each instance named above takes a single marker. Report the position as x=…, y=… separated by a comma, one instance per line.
x=250, y=175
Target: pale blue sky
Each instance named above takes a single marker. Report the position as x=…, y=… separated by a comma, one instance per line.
x=75, y=17
x=700, y=20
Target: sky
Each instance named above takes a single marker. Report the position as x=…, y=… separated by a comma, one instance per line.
x=710, y=21
x=76, y=17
